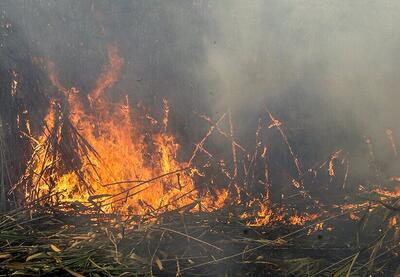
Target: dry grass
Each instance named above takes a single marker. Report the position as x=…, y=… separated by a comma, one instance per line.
x=47, y=241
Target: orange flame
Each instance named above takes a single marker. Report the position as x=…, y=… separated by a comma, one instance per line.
x=128, y=167
x=128, y=158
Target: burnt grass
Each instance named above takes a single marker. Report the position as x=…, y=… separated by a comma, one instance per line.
x=49, y=242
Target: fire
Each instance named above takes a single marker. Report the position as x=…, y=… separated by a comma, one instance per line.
x=331, y=167
x=393, y=222
x=105, y=155
x=263, y=216
x=388, y=193
x=302, y=219
x=131, y=168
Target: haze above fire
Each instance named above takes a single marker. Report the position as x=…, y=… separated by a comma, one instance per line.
x=316, y=64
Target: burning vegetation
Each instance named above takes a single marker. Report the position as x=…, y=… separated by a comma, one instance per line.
x=93, y=184
x=96, y=153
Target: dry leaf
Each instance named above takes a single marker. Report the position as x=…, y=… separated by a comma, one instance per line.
x=138, y=258
x=5, y=255
x=159, y=264
x=73, y=273
x=55, y=248
x=36, y=256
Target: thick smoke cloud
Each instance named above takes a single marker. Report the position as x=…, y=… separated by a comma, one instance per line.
x=327, y=68
x=344, y=51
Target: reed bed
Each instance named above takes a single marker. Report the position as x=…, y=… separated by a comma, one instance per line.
x=39, y=241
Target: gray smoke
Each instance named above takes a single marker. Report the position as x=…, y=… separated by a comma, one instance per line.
x=343, y=52
x=327, y=68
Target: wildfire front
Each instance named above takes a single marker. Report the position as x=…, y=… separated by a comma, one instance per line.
x=198, y=138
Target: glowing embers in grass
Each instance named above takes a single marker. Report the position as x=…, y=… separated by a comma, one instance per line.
x=385, y=193
x=260, y=213
x=97, y=154
x=394, y=222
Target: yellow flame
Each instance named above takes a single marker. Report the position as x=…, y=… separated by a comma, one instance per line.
x=131, y=155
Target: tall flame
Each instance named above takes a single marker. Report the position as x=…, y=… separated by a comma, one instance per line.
x=131, y=169
x=99, y=153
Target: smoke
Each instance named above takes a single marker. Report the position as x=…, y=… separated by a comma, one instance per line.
x=343, y=52
x=328, y=69
x=316, y=63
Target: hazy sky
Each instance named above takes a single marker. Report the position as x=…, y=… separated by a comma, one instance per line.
x=323, y=66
